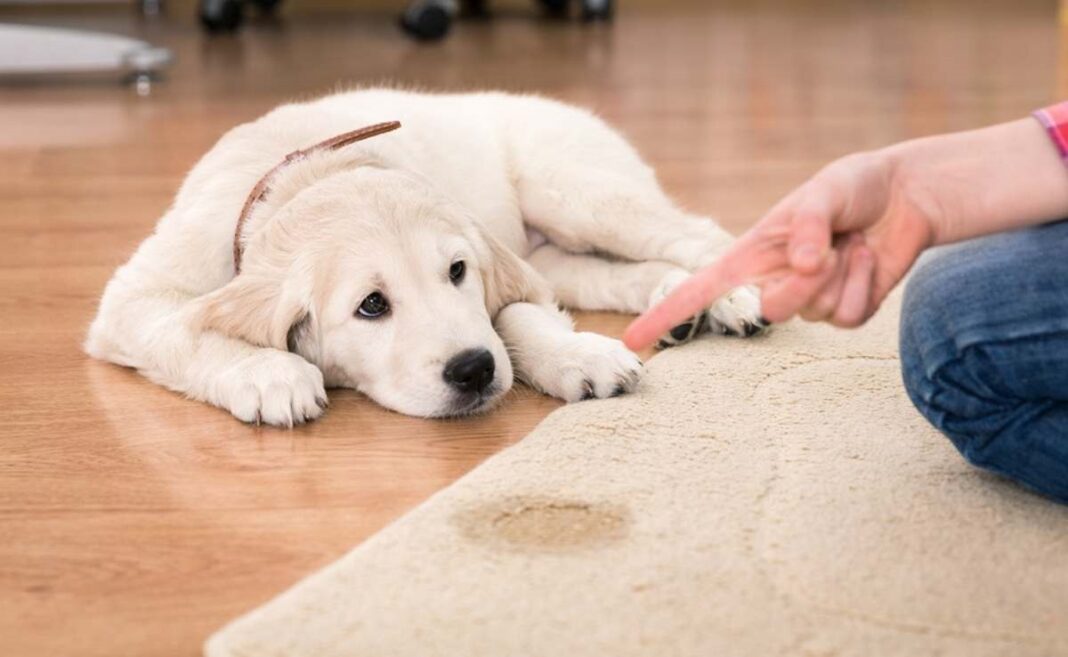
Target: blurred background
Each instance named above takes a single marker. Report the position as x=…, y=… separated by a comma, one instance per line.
x=732, y=100
x=138, y=522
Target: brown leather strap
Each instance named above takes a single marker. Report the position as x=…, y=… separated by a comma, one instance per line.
x=264, y=184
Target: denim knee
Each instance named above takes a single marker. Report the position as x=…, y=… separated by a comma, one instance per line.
x=950, y=385
x=984, y=352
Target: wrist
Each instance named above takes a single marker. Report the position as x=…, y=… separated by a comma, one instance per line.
x=916, y=193
x=983, y=181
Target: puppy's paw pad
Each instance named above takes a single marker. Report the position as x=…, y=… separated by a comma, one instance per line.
x=684, y=332
x=273, y=387
x=687, y=330
x=738, y=313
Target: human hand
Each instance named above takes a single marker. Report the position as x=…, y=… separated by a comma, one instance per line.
x=831, y=250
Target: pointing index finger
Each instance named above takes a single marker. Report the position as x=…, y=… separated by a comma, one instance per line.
x=690, y=297
x=751, y=258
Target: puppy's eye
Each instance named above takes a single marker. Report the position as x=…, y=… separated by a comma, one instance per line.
x=457, y=271
x=374, y=306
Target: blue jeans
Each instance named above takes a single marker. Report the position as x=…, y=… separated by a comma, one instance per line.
x=984, y=352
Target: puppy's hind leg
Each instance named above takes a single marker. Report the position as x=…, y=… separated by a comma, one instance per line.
x=585, y=210
x=588, y=282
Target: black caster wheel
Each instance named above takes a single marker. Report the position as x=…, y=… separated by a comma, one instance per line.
x=267, y=7
x=427, y=20
x=555, y=8
x=474, y=9
x=597, y=10
x=221, y=15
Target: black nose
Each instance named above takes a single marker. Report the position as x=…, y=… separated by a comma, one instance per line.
x=470, y=371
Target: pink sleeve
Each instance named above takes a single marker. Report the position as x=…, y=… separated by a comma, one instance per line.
x=1055, y=119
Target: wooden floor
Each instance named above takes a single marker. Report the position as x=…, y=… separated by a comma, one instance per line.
x=133, y=523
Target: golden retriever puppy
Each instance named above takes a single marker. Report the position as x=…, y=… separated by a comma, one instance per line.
x=421, y=265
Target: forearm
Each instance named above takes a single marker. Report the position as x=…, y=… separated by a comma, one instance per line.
x=984, y=181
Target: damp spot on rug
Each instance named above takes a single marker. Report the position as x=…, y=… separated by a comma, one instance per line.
x=542, y=523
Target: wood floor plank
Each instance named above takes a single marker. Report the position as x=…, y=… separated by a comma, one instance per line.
x=134, y=522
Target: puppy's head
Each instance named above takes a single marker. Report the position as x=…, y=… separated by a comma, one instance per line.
x=386, y=286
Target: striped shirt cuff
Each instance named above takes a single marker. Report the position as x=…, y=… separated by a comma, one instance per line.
x=1055, y=119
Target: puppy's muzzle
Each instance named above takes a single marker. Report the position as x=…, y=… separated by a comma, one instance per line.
x=470, y=371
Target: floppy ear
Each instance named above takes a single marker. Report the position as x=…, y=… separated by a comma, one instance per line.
x=508, y=278
x=260, y=310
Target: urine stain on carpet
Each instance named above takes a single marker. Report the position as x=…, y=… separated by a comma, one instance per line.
x=542, y=523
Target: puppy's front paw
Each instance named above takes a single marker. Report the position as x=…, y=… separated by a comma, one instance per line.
x=273, y=387
x=587, y=366
x=738, y=313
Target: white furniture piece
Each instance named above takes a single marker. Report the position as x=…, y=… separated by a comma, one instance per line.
x=30, y=51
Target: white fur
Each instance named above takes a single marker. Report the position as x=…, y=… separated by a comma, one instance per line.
x=490, y=179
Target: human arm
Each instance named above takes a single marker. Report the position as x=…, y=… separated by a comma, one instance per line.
x=834, y=248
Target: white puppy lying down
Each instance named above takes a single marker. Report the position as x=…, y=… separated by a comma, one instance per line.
x=420, y=267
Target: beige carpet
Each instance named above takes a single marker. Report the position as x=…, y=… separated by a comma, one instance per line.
x=770, y=497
